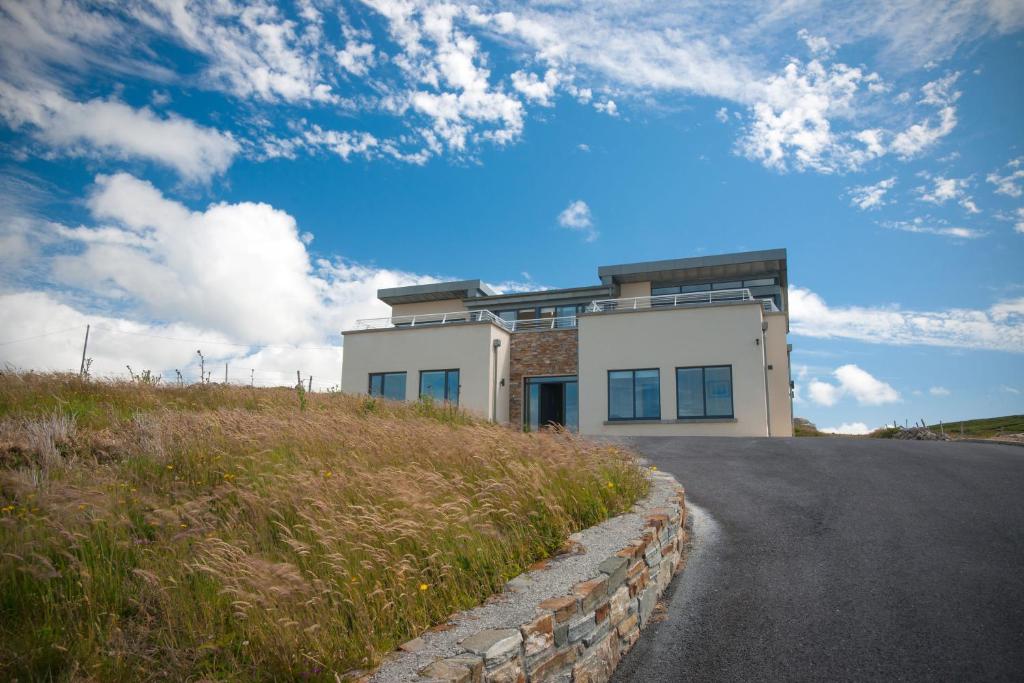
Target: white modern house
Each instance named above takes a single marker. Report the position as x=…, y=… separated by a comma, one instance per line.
x=685, y=346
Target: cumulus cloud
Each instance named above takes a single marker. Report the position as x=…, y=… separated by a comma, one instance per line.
x=607, y=107
x=432, y=66
x=855, y=382
x=866, y=197
x=1012, y=182
x=998, y=328
x=946, y=189
x=920, y=136
x=112, y=128
x=577, y=217
x=357, y=58
x=852, y=428
x=236, y=280
x=795, y=119
x=251, y=49
x=539, y=90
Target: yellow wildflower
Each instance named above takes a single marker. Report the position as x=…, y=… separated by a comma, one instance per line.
x=424, y=586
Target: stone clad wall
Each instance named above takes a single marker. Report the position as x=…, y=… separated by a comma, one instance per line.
x=536, y=353
x=582, y=636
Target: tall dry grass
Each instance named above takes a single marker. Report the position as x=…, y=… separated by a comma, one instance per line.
x=216, y=532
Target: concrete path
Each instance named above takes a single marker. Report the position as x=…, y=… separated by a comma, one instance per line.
x=842, y=559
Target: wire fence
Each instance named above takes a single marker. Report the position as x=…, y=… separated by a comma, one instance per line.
x=238, y=374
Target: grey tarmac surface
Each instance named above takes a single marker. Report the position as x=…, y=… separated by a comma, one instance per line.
x=842, y=559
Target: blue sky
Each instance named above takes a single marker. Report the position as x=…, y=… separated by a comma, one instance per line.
x=241, y=179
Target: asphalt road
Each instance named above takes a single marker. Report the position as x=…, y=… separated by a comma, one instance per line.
x=842, y=559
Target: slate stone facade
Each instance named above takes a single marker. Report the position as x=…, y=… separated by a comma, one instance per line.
x=534, y=354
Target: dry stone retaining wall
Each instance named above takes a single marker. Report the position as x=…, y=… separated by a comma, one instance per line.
x=580, y=637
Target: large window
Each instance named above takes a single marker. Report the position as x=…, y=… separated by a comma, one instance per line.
x=440, y=385
x=704, y=392
x=388, y=384
x=634, y=395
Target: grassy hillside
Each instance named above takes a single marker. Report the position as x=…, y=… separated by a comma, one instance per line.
x=234, y=533
x=804, y=427
x=985, y=428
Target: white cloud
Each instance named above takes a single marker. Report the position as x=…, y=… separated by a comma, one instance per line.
x=526, y=284
x=583, y=147
x=432, y=71
x=1018, y=226
x=112, y=128
x=865, y=388
x=920, y=136
x=852, y=428
x=342, y=143
x=945, y=189
x=235, y=280
x=922, y=227
x=539, y=90
x=796, y=119
x=251, y=49
x=939, y=391
x=607, y=107
x=1009, y=389
x=866, y=197
x=722, y=114
x=357, y=58
x=855, y=382
x=999, y=328
x=823, y=393
x=940, y=93
x=1011, y=183
x=818, y=45
x=792, y=122
x=577, y=217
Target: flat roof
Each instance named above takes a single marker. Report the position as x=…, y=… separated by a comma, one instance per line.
x=436, y=291
x=698, y=266
x=474, y=293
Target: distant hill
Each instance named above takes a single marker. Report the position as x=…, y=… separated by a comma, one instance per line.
x=984, y=428
x=804, y=427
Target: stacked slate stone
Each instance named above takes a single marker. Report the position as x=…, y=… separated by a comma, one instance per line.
x=582, y=636
x=918, y=434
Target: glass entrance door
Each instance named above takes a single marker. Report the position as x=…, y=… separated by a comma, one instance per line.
x=551, y=401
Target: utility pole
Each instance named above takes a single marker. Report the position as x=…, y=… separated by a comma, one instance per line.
x=252, y=377
x=225, y=373
x=81, y=369
x=310, y=390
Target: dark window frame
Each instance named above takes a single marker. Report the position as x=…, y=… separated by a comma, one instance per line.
x=447, y=372
x=704, y=393
x=608, y=380
x=383, y=382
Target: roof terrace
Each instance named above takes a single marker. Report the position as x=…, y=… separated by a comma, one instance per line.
x=599, y=306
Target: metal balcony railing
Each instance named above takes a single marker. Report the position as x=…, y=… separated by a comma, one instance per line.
x=672, y=300
x=562, y=323
x=636, y=303
x=429, y=319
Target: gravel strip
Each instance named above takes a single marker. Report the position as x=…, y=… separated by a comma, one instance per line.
x=518, y=603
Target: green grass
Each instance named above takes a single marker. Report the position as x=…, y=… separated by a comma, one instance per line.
x=984, y=428
x=210, y=532
x=804, y=427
